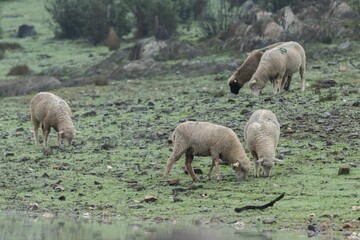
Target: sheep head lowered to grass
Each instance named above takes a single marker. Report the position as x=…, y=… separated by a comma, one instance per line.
x=244, y=73
x=207, y=139
x=261, y=134
x=278, y=65
x=50, y=111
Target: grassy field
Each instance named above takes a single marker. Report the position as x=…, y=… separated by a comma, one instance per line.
x=121, y=149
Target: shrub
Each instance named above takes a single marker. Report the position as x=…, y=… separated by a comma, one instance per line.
x=90, y=19
x=19, y=70
x=146, y=12
x=217, y=17
x=112, y=40
x=10, y=46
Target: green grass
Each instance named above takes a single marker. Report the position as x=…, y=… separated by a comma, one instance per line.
x=119, y=155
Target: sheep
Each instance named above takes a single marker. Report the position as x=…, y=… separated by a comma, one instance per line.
x=49, y=110
x=261, y=134
x=207, y=139
x=244, y=73
x=278, y=65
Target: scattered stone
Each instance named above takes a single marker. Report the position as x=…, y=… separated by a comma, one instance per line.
x=331, y=63
x=62, y=198
x=137, y=108
x=25, y=30
x=58, y=188
x=47, y=151
x=33, y=206
x=45, y=175
x=149, y=198
x=48, y=215
x=176, y=199
x=325, y=115
x=355, y=208
x=173, y=182
x=344, y=169
x=28, y=195
x=313, y=230
x=269, y=221
x=316, y=67
x=343, y=46
x=9, y=154
x=90, y=114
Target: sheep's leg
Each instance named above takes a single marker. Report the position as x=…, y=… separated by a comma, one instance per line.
x=36, y=125
x=59, y=139
x=175, y=156
x=188, y=160
x=211, y=168
x=46, y=131
x=287, y=85
x=302, y=75
x=283, y=84
x=257, y=165
x=217, y=168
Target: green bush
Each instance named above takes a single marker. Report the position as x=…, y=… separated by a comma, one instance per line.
x=90, y=19
x=217, y=17
x=146, y=12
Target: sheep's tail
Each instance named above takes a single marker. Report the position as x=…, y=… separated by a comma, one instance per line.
x=171, y=139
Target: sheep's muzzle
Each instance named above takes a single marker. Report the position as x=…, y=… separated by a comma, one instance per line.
x=235, y=87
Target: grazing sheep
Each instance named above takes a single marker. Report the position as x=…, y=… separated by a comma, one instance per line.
x=244, y=73
x=278, y=65
x=207, y=139
x=261, y=134
x=49, y=110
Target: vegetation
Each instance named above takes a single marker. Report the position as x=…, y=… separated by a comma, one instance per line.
x=19, y=70
x=90, y=19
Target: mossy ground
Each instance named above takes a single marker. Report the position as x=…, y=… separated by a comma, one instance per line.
x=121, y=149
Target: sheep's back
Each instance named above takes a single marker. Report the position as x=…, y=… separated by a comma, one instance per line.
x=202, y=135
x=262, y=128
x=49, y=107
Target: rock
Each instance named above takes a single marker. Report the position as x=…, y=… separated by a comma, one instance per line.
x=28, y=85
x=340, y=9
x=272, y=30
x=269, y=221
x=344, y=46
x=25, y=30
x=149, y=198
x=137, y=108
x=33, y=206
x=313, y=230
x=325, y=115
x=344, y=169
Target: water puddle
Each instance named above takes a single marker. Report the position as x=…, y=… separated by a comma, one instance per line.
x=14, y=227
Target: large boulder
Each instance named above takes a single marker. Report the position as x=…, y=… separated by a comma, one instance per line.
x=340, y=9
x=28, y=85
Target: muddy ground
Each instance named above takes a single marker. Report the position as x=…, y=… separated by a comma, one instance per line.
x=119, y=154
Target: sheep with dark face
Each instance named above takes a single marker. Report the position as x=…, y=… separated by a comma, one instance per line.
x=261, y=134
x=207, y=139
x=50, y=111
x=244, y=73
x=278, y=65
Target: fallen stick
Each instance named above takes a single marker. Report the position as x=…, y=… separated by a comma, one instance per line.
x=262, y=207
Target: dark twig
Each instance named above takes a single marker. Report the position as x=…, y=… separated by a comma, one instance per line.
x=353, y=64
x=270, y=204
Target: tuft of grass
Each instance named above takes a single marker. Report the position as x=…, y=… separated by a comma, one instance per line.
x=112, y=40
x=10, y=46
x=19, y=70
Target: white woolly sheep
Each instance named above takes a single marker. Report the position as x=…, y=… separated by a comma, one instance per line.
x=244, y=73
x=261, y=134
x=278, y=65
x=50, y=111
x=207, y=139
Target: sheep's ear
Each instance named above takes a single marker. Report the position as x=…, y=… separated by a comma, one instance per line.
x=260, y=160
x=236, y=165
